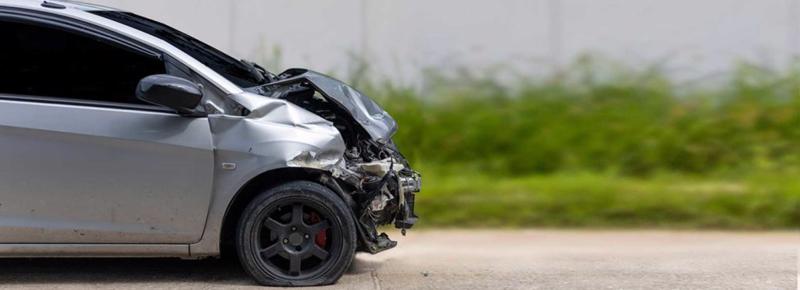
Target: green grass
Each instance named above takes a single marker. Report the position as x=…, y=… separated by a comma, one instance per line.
x=601, y=145
x=634, y=123
x=594, y=200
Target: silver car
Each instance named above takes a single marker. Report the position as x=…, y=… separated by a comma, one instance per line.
x=123, y=137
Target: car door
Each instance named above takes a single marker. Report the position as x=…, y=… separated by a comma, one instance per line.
x=81, y=159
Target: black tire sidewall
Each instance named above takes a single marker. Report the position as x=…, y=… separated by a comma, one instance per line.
x=342, y=218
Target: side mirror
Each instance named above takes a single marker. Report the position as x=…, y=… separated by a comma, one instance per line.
x=176, y=93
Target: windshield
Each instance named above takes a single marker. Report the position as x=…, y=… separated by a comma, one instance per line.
x=235, y=71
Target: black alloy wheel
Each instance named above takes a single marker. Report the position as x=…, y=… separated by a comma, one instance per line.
x=297, y=234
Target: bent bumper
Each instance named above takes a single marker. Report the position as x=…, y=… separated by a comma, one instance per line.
x=407, y=187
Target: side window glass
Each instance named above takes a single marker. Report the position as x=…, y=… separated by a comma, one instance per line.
x=45, y=61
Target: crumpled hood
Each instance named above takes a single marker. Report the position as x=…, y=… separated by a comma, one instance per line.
x=375, y=121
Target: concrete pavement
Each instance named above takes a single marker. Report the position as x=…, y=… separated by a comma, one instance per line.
x=456, y=259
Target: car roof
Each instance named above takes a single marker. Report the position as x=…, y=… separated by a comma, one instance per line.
x=68, y=5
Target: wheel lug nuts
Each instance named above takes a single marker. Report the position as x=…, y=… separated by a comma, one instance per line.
x=285, y=241
x=306, y=236
x=294, y=229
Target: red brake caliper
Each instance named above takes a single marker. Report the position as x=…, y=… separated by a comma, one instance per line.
x=321, y=238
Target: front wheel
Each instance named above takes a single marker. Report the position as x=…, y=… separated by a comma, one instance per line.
x=296, y=234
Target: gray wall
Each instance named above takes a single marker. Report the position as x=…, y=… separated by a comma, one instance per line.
x=695, y=38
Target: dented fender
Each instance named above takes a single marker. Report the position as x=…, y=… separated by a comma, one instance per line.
x=287, y=127
x=277, y=134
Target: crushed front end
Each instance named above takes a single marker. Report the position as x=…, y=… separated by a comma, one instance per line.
x=373, y=176
x=384, y=188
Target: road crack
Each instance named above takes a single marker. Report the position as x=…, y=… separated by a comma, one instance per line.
x=376, y=282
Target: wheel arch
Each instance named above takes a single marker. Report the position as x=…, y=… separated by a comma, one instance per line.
x=258, y=184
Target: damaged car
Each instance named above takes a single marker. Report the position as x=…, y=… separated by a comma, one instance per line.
x=124, y=137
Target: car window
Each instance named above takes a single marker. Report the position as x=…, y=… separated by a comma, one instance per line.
x=225, y=65
x=47, y=61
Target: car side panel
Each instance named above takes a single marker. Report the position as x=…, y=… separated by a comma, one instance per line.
x=83, y=174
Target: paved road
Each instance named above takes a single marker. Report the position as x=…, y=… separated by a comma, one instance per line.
x=478, y=260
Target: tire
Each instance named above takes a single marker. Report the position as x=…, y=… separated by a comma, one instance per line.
x=296, y=234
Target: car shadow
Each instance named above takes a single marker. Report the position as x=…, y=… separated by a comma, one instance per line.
x=225, y=271
x=83, y=270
